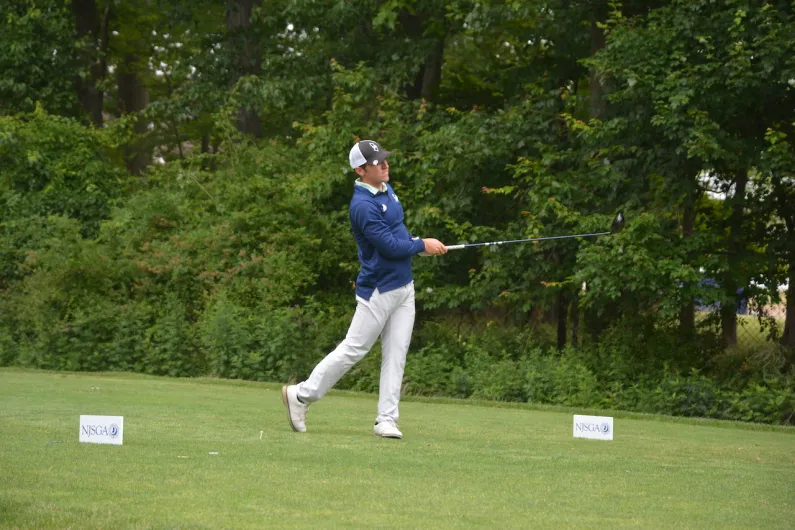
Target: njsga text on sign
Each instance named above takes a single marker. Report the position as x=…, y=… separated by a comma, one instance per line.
x=102, y=429
x=593, y=427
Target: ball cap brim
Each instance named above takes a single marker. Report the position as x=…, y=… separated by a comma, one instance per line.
x=367, y=152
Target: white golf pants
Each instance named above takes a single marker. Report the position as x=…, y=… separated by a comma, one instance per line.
x=390, y=315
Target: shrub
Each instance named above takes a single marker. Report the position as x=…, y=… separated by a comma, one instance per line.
x=559, y=379
x=772, y=402
x=436, y=368
x=127, y=352
x=55, y=166
x=502, y=381
x=170, y=344
x=225, y=337
x=9, y=349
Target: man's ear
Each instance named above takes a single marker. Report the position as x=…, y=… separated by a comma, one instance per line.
x=359, y=171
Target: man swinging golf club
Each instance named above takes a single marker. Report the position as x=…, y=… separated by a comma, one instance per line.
x=384, y=294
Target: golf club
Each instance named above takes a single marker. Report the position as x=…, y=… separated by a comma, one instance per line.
x=615, y=227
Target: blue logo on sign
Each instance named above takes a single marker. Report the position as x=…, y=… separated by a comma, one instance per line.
x=113, y=430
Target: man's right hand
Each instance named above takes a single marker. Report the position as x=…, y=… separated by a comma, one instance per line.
x=434, y=247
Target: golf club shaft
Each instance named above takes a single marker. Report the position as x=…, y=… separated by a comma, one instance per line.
x=470, y=245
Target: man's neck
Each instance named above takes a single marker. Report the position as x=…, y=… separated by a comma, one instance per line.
x=371, y=186
x=376, y=185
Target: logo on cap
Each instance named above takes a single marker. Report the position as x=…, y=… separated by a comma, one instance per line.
x=374, y=146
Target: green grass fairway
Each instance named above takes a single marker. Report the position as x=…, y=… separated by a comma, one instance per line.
x=460, y=465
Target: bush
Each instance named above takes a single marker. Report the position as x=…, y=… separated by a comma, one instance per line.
x=693, y=395
x=60, y=310
x=633, y=347
x=696, y=395
x=429, y=374
x=170, y=345
x=127, y=352
x=225, y=339
x=560, y=379
x=9, y=349
x=501, y=381
x=772, y=402
x=245, y=272
x=55, y=166
x=264, y=345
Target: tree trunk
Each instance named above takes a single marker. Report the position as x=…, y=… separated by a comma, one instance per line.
x=596, y=99
x=208, y=163
x=788, y=336
x=432, y=77
x=429, y=77
x=89, y=27
x=133, y=97
x=247, y=57
x=563, y=314
x=687, y=313
x=728, y=322
x=575, y=319
x=733, y=246
x=783, y=196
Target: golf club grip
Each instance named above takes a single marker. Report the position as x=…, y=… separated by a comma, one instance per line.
x=450, y=247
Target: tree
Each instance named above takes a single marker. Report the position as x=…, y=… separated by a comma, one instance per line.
x=247, y=59
x=92, y=31
x=776, y=188
x=37, y=58
x=693, y=69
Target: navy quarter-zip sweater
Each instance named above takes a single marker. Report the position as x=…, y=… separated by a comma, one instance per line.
x=385, y=245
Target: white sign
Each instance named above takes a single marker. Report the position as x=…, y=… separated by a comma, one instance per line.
x=593, y=427
x=102, y=429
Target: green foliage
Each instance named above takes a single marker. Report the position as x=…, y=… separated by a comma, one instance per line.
x=563, y=379
x=473, y=367
x=233, y=256
x=127, y=351
x=696, y=395
x=170, y=346
x=772, y=402
x=37, y=49
x=239, y=342
x=9, y=349
x=55, y=166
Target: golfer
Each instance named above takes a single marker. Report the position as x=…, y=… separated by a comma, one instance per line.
x=384, y=294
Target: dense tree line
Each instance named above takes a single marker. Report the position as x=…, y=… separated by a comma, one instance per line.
x=174, y=190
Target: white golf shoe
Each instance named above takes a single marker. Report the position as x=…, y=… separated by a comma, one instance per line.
x=296, y=411
x=387, y=429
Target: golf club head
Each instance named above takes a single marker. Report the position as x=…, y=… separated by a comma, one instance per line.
x=618, y=223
